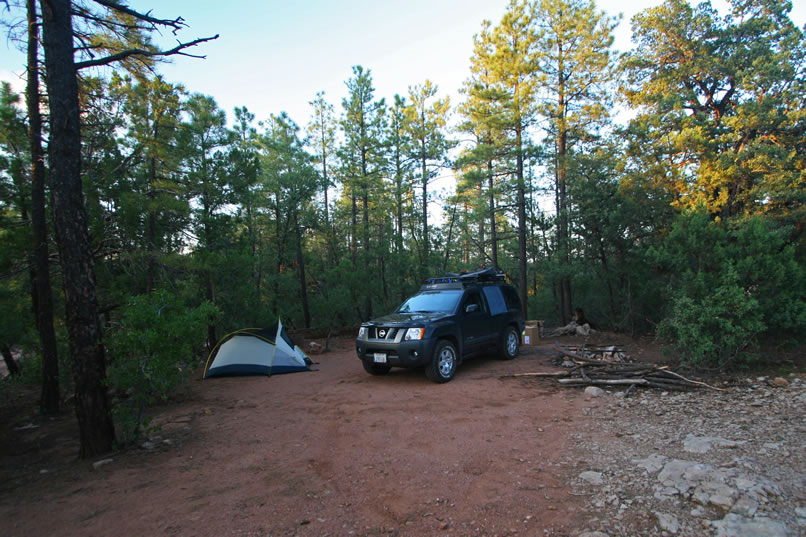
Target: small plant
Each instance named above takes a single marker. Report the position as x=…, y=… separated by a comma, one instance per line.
x=152, y=353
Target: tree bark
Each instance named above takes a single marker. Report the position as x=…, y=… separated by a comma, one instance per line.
x=8, y=358
x=303, y=286
x=93, y=409
x=50, y=396
x=563, y=239
x=426, y=246
x=522, y=267
x=493, y=230
x=365, y=220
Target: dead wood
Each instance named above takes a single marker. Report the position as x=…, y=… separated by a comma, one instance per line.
x=553, y=374
x=584, y=382
x=590, y=372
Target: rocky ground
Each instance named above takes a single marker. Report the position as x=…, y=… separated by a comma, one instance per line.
x=702, y=463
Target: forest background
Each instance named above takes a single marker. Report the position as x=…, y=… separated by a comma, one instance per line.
x=662, y=190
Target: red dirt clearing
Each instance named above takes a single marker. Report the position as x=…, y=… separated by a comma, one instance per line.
x=330, y=452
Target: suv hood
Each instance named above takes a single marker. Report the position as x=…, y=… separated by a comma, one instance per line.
x=409, y=318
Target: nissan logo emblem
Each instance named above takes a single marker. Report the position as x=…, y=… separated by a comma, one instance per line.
x=381, y=333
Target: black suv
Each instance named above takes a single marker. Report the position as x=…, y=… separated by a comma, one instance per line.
x=452, y=318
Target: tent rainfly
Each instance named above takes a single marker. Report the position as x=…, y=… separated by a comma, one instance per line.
x=256, y=351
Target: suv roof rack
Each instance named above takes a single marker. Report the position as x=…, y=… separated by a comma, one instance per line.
x=457, y=281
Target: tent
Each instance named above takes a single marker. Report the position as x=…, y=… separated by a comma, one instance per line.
x=256, y=351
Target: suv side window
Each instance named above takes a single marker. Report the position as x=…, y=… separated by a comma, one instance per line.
x=473, y=297
x=513, y=302
x=495, y=299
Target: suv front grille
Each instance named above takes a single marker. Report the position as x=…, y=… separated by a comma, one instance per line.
x=383, y=332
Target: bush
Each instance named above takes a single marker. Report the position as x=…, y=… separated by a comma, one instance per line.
x=729, y=288
x=714, y=326
x=153, y=350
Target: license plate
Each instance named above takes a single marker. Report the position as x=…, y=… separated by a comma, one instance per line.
x=379, y=357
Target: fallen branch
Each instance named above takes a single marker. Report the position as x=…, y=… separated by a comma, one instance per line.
x=697, y=382
x=555, y=374
x=584, y=382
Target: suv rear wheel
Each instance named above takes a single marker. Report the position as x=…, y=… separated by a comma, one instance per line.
x=510, y=344
x=443, y=365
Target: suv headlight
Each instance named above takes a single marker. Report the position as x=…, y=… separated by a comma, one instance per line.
x=362, y=332
x=414, y=333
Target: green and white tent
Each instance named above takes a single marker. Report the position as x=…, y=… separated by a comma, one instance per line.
x=256, y=351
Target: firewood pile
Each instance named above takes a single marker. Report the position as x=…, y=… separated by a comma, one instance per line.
x=608, y=366
x=610, y=353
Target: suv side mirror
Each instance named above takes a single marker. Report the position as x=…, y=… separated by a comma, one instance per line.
x=471, y=308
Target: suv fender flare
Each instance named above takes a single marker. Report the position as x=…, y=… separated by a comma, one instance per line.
x=451, y=336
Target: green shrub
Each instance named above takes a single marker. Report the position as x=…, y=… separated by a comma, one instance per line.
x=730, y=286
x=714, y=325
x=153, y=351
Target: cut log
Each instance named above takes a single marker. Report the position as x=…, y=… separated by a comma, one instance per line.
x=614, y=382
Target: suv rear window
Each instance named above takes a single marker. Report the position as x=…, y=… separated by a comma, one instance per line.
x=513, y=302
x=495, y=299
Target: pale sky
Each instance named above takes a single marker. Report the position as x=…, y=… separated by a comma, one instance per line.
x=274, y=55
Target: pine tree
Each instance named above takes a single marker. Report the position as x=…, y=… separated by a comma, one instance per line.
x=575, y=67
x=426, y=120
x=721, y=101
x=363, y=159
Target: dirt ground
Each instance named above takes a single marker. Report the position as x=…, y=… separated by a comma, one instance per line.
x=330, y=452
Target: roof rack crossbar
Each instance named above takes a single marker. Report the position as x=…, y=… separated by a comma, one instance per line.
x=481, y=275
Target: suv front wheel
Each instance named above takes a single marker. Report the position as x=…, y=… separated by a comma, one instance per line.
x=443, y=365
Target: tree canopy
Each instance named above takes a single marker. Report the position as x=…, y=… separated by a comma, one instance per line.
x=661, y=190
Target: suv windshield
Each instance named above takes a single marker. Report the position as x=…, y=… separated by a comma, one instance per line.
x=430, y=301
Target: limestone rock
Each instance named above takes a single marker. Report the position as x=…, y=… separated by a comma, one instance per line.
x=593, y=391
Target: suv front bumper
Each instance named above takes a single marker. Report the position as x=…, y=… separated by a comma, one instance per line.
x=413, y=353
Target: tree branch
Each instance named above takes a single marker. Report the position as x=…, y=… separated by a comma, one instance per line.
x=145, y=53
x=176, y=24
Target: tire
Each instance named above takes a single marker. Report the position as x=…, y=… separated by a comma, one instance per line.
x=443, y=365
x=510, y=344
x=375, y=369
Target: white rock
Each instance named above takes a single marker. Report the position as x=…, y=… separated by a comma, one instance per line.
x=667, y=522
x=745, y=506
x=102, y=462
x=722, y=501
x=594, y=478
x=651, y=464
x=734, y=525
x=593, y=391
x=697, y=511
x=704, y=444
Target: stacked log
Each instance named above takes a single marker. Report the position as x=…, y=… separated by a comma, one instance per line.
x=593, y=372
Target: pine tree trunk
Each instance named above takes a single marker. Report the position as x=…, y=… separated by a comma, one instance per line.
x=152, y=224
x=563, y=235
x=50, y=396
x=426, y=246
x=212, y=338
x=365, y=207
x=93, y=409
x=303, y=286
x=522, y=267
x=8, y=358
x=493, y=230
x=481, y=239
